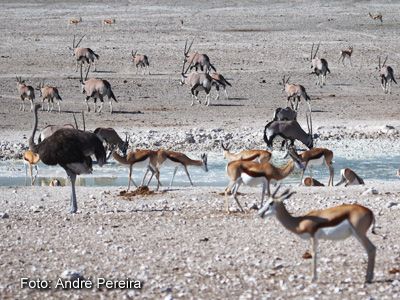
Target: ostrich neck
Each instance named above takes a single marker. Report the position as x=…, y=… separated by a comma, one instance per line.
x=32, y=146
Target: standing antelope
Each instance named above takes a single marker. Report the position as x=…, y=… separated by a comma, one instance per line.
x=197, y=60
x=346, y=54
x=74, y=21
x=335, y=223
x=49, y=93
x=97, y=88
x=293, y=93
x=319, y=66
x=312, y=182
x=83, y=55
x=31, y=159
x=217, y=80
x=253, y=173
x=25, y=91
x=249, y=155
x=50, y=129
x=350, y=177
x=111, y=137
x=107, y=22
x=386, y=74
x=376, y=17
x=316, y=157
x=142, y=61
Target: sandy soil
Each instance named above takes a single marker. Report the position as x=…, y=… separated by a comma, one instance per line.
x=202, y=252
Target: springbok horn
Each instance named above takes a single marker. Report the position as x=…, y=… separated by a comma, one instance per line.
x=276, y=191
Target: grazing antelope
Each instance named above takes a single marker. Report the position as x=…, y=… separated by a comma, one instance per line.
x=140, y=159
x=49, y=93
x=55, y=182
x=312, y=182
x=283, y=114
x=249, y=155
x=335, y=223
x=111, y=137
x=197, y=60
x=253, y=173
x=31, y=159
x=83, y=55
x=346, y=54
x=142, y=61
x=50, y=129
x=97, y=88
x=181, y=21
x=217, y=80
x=319, y=66
x=376, y=17
x=349, y=177
x=386, y=74
x=107, y=22
x=25, y=91
x=293, y=93
x=316, y=157
x=74, y=21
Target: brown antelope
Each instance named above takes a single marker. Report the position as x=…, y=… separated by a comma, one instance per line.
x=139, y=159
x=283, y=114
x=49, y=93
x=25, y=91
x=386, y=74
x=111, y=137
x=107, y=22
x=31, y=159
x=197, y=60
x=217, y=80
x=312, y=182
x=319, y=66
x=293, y=93
x=346, y=54
x=97, y=88
x=142, y=61
x=335, y=223
x=55, y=182
x=376, y=17
x=316, y=157
x=83, y=55
x=248, y=155
x=253, y=173
x=74, y=21
x=349, y=177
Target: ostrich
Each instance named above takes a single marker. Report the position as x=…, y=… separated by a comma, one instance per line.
x=71, y=149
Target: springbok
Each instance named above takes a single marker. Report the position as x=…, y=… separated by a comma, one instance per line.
x=31, y=159
x=97, y=88
x=294, y=93
x=335, y=223
x=197, y=60
x=248, y=155
x=217, y=80
x=283, y=114
x=55, y=182
x=316, y=157
x=319, y=66
x=49, y=93
x=376, y=17
x=386, y=74
x=142, y=61
x=308, y=181
x=253, y=173
x=349, y=177
x=346, y=54
x=25, y=91
x=50, y=129
x=83, y=55
x=107, y=22
x=111, y=137
x=140, y=159
x=74, y=21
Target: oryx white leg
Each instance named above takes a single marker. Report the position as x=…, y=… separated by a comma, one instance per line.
x=192, y=100
x=226, y=93
x=94, y=65
x=76, y=69
x=148, y=69
x=59, y=106
x=95, y=108
x=87, y=104
x=217, y=90
x=101, y=106
x=43, y=104
x=48, y=105
x=111, y=108
x=31, y=100
x=208, y=99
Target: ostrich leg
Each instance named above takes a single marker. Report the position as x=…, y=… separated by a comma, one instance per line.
x=74, y=205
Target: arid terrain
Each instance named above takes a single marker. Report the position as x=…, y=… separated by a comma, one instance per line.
x=180, y=242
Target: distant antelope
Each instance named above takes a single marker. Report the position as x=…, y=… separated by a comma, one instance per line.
x=83, y=55
x=73, y=21
x=312, y=182
x=97, y=88
x=217, y=80
x=107, y=22
x=376, y=17
x=248, y=155
x=293, y=93
x=55, y=182
x=50, y=129
x=31, y=159
x=283, y=114
x=197, y=60
x=25, y=91
x=49, y=93
x=349, y=177
x=319, y=66
x=111, y=137
x=386, y=74
x=181, y=21
x=346, y=54
x=142, y=61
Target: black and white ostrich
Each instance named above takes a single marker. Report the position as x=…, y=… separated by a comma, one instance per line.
x=71, y=149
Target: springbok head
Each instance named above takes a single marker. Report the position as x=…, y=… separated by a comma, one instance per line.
x=269, y=209
x=225, y=148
